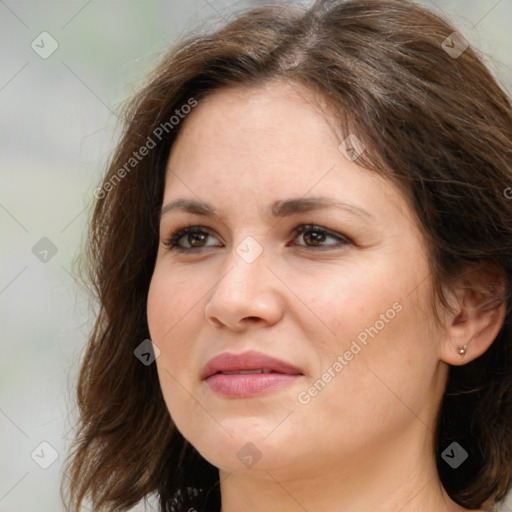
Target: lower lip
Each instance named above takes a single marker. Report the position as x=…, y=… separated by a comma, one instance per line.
x=247, y=385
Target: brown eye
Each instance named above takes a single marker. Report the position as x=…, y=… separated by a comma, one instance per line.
x=315, y=236
x=189, y=238
x=196, y=239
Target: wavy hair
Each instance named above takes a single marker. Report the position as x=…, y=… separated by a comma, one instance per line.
x=436, y=123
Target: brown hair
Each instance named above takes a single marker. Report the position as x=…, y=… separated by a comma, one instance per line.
x=436, y=123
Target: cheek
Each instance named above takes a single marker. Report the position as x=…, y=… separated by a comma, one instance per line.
x=173, y=310
x=387, y=363
x=170, y=300
x=172, y=324
x=381, y=328
x=353, y=299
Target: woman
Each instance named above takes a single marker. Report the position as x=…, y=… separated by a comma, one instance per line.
x=307, y=216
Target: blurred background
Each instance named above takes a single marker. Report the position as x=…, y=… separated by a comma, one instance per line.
x=67, y=67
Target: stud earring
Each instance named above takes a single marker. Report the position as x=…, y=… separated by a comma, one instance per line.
x=462, y=350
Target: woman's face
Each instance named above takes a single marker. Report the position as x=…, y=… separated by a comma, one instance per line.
x=344, y=304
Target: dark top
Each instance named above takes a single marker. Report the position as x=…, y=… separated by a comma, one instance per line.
x=185, y=500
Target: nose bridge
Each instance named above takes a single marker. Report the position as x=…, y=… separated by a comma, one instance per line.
x=247, y=272
x=247, y=289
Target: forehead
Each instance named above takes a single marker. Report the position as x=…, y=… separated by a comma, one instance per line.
x=266, y=142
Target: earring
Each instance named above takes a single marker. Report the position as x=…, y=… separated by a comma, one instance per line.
x=462, y=350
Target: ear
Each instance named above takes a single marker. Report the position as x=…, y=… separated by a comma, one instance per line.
x=478, y=313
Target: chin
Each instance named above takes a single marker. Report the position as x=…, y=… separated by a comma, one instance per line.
x=247, y=446
x=241, y=455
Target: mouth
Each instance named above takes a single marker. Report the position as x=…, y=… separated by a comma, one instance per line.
x=248, y=374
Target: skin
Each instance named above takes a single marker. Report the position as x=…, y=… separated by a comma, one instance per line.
x=364, y=442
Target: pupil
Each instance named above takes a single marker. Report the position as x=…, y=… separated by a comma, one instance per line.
x=195, y=237
x=315, y=236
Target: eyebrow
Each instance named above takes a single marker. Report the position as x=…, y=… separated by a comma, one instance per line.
x=276, y=210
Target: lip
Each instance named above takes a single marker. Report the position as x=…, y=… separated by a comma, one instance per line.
x=241, y=385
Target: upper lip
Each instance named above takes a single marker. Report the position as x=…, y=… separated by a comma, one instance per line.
x=251, y=360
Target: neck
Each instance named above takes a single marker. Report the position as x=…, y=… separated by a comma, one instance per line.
x=393, y=478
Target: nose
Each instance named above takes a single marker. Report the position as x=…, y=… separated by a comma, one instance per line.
x=248, y=293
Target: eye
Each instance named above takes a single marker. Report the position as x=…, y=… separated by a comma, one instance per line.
x=315, y=236
x=194, y=236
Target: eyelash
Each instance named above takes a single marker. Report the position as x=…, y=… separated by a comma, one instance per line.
x=172, y=241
